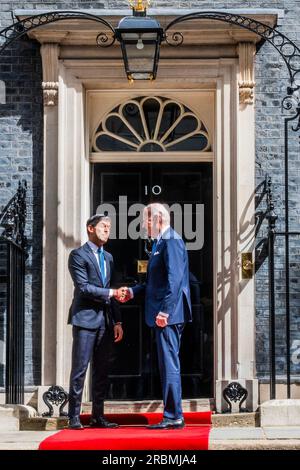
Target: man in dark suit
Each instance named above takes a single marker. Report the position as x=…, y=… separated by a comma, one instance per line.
x=96, y=321
x=167, y=306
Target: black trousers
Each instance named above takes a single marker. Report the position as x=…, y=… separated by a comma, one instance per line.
x=96, y=346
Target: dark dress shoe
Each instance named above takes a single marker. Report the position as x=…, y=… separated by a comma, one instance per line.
x=102, y=423
x=168, y=423
x=74, y=423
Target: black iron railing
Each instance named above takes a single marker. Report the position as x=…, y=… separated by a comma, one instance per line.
x=272, y=235
x=271, y=217
x=12, y=279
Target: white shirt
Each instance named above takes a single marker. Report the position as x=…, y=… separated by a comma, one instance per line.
x=160, y=235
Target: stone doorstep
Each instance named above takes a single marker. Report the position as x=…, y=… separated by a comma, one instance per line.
x=151, y=406
x=236, y=420
x=40, y=423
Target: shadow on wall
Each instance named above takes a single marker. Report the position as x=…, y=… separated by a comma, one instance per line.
x=21, y=157
x=261, y=249
x=228, y=277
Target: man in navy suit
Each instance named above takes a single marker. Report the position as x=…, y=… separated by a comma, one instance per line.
x=96, y=320
x=167, y=306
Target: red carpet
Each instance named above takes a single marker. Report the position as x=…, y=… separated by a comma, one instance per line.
x=133, y=435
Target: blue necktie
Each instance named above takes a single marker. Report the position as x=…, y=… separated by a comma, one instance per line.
x=101, y=263
x=153, y=247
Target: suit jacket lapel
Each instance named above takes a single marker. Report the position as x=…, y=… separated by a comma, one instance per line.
x=92, y=258
x=160, y=243
x=107, y=278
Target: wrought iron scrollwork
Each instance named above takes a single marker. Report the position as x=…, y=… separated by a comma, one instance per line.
x=235, y=392
x=13, y=217
x=55, y=395
x=284, y=46
x=20, y=28
x=291, y=103
x=287, y=49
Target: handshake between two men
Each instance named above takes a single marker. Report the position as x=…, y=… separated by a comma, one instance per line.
x=123, y=294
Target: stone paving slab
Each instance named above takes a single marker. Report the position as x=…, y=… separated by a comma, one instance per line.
x=236, y=433
x=257, y=444
x=24, y=436
x=19, y=445
x=282, y=432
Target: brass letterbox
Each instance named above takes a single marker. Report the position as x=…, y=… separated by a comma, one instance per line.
x=142, y=266
x=247, y=266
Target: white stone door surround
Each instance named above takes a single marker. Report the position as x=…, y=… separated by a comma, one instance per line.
x=67, y=196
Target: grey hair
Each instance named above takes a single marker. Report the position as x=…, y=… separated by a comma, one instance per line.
x=158, y=209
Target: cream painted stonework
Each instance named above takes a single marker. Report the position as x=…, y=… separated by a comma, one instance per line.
x=246, y=81
x=49, y=53
x=216, y=98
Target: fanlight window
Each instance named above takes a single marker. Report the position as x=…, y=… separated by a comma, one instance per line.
x=151, y=124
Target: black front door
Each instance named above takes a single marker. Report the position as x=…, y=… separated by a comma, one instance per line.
x=188, y=185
